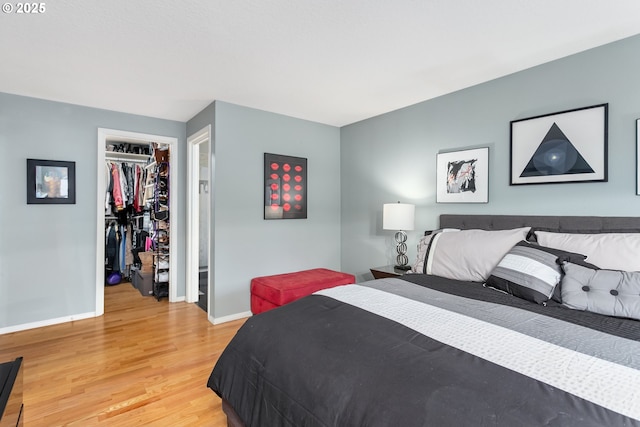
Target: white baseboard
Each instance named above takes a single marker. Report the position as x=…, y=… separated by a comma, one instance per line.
x=230, y=318
x=49, y=322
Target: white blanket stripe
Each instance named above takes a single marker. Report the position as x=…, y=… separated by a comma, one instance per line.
x=613, y=386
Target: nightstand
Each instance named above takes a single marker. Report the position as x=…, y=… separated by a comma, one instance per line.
x=386, y=271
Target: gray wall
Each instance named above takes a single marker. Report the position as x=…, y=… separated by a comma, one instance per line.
x=393, y=157
x=48, y=252
x=245, y=244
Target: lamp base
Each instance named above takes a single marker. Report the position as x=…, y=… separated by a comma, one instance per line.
x=402, y=267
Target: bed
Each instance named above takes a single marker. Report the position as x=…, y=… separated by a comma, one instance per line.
x=477, y=334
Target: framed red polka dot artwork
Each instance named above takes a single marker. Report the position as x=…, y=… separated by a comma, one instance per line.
x=285, y=187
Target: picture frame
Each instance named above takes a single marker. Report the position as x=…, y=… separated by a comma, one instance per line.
x=51, y=182
x=564, y=147
x=463, y=176
x=285, y=187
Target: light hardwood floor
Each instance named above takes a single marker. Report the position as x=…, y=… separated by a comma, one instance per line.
x=144, y=363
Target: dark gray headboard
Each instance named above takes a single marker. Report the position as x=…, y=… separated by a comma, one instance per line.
x=584, y=224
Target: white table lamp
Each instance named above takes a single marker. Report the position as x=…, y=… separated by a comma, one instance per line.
x=399, y=217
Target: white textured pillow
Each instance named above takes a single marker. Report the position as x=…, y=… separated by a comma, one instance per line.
x=423, y=246
x=470, y=255
x=609, y=292
x=612, y=251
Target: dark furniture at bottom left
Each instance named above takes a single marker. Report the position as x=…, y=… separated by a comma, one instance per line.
x=11, y=394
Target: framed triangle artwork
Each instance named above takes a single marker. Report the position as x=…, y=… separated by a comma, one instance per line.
x=569, y=146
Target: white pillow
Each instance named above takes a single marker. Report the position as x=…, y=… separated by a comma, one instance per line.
x=611, y=251
x=470, y=255
x=423, y=246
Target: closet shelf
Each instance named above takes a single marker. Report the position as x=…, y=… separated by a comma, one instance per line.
x=126, y=157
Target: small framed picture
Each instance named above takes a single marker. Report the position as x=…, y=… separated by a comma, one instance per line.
x=51, y=182
x=285, y=187
x=463, y=176
x=569, y=146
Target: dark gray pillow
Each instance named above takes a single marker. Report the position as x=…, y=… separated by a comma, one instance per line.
x=531, y=272
x=609, y=292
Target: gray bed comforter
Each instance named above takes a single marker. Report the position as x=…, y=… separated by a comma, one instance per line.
x=428, y=351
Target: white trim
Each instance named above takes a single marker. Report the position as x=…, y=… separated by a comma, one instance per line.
x=638, y=157
x=193, y=223
x=48, y=322
x=191, y=274
x=230, y=318
x=116, y=135
x=100, y=239
x=173, y=225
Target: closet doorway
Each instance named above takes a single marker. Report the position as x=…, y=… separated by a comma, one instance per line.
x=199, y=202
x=108, y=137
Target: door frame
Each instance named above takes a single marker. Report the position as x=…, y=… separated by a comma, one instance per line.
x=193, y=220
x=116, y=135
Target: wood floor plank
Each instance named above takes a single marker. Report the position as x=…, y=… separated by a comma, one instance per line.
x=144, y=363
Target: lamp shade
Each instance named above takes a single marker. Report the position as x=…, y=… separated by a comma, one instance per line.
x=398, y=216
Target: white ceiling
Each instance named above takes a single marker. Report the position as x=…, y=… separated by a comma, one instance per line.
x=329, y=61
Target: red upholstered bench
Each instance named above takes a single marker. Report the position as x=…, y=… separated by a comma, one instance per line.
x=269, y=292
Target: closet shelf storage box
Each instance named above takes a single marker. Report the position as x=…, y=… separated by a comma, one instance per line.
x=143, y=282
x=146, y=259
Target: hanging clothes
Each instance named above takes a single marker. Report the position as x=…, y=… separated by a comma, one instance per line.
x=122, y=249
x=129, y=245
x=136, y=189
x=112, y=257
x=124, y=187
x=116, y=191
x=148, y=191
x=142, y=172
x=108, y=179
x=124, y=190
x=123, y=193
x=123, y=184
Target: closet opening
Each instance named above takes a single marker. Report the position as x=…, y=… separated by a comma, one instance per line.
x=136, y=214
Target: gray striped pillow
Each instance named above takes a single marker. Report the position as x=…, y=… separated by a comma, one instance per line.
x=528, y=271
